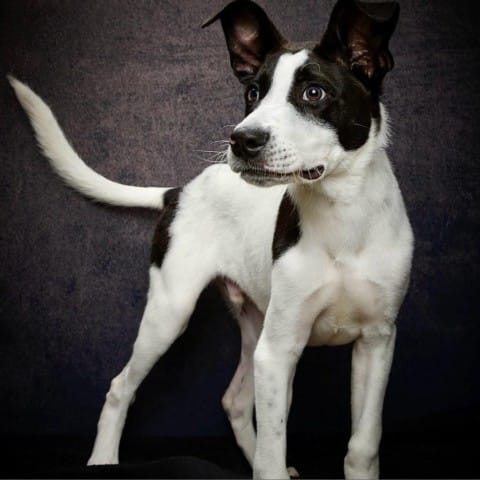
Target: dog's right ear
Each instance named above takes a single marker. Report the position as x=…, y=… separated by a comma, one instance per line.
x=250, y=36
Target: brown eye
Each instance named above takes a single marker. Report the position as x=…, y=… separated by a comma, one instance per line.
x=313, y=93
x=252, y=94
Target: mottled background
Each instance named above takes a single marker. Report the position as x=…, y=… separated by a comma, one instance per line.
x=139, y=89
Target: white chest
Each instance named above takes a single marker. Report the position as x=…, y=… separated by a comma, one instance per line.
x=347, y=302
x=359, y=257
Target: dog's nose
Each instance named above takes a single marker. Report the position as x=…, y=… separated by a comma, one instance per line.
x=248, y=142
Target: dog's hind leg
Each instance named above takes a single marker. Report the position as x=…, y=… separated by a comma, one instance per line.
x=238, y=400
x=173, y=292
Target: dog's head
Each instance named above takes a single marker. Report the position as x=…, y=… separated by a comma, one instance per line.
x=310, y=108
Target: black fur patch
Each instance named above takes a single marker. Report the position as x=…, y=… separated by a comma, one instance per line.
x=287, y=229
x=161, y=238
x=348, y=107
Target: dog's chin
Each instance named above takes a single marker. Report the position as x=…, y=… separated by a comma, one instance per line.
x=265, y=178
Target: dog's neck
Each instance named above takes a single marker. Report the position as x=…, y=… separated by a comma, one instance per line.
x=349, y=180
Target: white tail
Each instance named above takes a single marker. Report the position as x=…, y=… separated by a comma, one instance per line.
x=66, y=163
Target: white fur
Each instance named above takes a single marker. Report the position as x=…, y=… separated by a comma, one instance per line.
x=66, y=162
x=342, y=282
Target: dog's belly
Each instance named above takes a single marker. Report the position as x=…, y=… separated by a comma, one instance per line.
x=349, y=305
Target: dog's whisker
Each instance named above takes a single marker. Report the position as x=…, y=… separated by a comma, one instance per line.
x=208, y=160
x=210, y=151
x=218, y=156
x=213, y=153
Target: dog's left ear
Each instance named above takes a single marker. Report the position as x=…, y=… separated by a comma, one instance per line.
x=357, y=36
x=250, y=36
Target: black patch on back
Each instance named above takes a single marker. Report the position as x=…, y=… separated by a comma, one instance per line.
x=349, y=107
x=161, y=238
x=287, y=229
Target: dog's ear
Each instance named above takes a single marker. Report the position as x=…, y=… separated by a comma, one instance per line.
x=250, y=36
x=357, y=36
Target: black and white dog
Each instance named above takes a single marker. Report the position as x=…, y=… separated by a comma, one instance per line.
x=321, y=257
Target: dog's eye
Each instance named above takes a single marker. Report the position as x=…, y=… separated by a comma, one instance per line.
x=252, y=94
x=313, y=93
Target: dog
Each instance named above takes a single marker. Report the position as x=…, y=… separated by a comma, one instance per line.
x=303, y=225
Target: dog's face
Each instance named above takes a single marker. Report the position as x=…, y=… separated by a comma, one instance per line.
x=309, y=107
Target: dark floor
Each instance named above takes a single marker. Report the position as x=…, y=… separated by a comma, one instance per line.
x=420, y=450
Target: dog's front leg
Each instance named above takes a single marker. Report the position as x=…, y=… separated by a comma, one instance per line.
x=371, y=362
x=286, y=331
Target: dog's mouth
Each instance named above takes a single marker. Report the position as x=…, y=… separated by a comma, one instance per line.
x=264, y=176
x=313, y=173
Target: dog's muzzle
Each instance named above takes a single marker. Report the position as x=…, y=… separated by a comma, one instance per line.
x=250, y=159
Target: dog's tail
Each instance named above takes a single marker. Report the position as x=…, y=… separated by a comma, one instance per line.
x=66, y=162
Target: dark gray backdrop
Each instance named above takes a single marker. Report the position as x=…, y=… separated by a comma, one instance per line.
x=138, y=88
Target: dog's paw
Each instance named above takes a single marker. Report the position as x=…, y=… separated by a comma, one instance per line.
x=102, y=460
x=292, y=472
